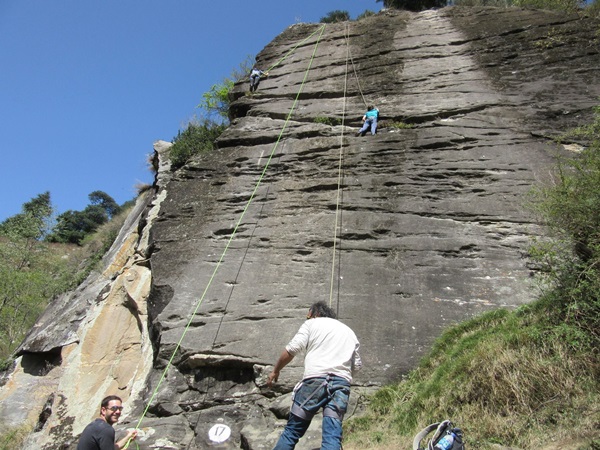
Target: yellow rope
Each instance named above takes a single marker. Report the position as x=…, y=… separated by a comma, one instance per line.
x=354, y=68
x=199, y=303
x=339, y=186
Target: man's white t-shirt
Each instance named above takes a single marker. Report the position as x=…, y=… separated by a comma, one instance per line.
x=331, y=348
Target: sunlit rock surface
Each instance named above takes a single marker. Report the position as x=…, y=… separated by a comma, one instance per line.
x=404, y=233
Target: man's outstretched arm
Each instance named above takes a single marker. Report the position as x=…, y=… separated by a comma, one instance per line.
x=284, y=360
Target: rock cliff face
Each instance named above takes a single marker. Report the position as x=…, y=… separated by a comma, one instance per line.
x=403, y=233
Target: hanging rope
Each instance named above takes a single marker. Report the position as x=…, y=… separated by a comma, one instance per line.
x=354, y=67
x=338, y=211
x=200, y=301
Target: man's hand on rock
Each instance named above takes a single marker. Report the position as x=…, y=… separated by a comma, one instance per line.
x=273, y=377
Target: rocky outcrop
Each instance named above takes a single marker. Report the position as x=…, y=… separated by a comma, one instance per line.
x=405, y=232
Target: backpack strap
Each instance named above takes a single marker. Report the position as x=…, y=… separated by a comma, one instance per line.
x=442, y=428
x=439, y=428
x=421, y=435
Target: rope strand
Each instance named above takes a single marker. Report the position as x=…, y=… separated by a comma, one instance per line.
x=339, y=186
x=201, y=300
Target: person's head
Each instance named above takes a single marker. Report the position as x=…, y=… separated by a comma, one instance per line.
x=320, y=309
x=111, y=408
x=370, y=108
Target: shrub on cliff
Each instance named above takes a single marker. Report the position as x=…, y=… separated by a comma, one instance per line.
x=216, y=101
x=336, y=16
x=195, y=139
x=200, y=135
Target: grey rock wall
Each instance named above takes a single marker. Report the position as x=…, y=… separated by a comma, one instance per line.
x=403, y=233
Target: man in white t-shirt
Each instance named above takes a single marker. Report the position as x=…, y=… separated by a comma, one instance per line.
x=331, y=358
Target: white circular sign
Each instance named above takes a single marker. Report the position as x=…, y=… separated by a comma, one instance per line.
x=219, y=433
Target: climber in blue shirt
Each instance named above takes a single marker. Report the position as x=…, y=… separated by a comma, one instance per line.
x=369, y=121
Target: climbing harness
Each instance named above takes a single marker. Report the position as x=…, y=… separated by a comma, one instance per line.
x=298, y=409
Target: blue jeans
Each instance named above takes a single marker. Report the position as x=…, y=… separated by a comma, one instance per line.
x=330, y=393
x=369, y=123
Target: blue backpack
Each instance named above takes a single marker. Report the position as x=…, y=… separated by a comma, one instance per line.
x=444, y=431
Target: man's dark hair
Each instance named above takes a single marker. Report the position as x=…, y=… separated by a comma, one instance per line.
x=320, y=309
x=107, y=400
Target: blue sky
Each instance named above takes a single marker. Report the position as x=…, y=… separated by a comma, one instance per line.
x=87, y=86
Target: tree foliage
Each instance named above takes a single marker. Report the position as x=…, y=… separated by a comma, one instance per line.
x=106, y=202
x=200, y=135
x=34, y=269
x=33, y=222
x=337, y=15
x=215, y=103
x=73, y=226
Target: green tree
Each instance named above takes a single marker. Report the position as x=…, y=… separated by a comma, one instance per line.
x=33, y=222
x=337, y=15
x=73, y=226
x=105, y=201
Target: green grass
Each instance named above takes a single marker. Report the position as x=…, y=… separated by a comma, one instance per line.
x=331, y=121
x=398, y=125
x=504, y=378
x=14, y=438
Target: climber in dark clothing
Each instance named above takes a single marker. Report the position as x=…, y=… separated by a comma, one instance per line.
x=255, y=78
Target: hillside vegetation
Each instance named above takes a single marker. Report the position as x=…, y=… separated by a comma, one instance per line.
x=528, y=378
x=34, y=270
